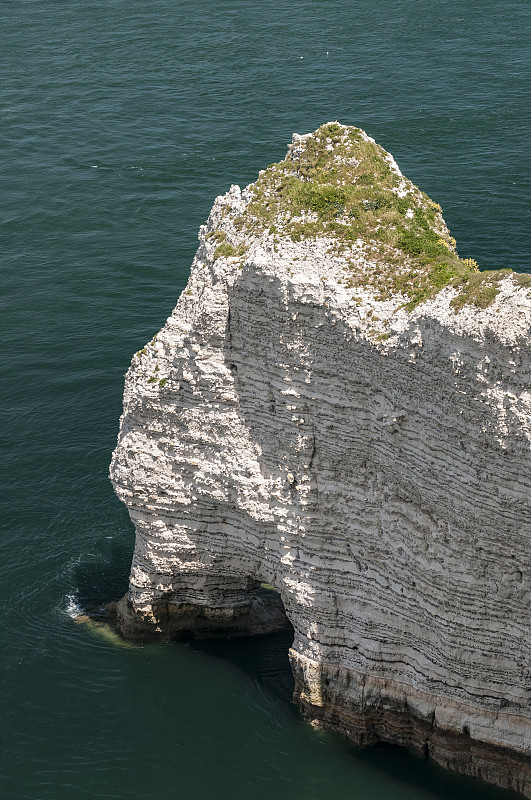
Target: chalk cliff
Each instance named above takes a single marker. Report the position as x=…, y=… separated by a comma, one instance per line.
x=340, y=406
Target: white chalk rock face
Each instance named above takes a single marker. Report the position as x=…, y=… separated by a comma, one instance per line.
x=340, y=406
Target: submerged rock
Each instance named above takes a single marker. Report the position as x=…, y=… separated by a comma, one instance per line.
x=339, y=406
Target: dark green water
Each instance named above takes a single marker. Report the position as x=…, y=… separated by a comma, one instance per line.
x=120, y=123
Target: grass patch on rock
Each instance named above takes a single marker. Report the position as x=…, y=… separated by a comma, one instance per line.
x=224, y=248
x=478, y=288
x=338, y=183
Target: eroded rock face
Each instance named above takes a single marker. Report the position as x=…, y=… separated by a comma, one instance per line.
x=340, y=407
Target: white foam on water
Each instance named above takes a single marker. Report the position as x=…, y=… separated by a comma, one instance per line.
x=72, y=608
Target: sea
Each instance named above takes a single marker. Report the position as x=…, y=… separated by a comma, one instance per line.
x=121, y=120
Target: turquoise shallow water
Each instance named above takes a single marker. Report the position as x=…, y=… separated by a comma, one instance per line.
x=120, y=123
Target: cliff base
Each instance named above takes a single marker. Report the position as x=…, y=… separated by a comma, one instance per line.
x=368, y=711
x=263, y=614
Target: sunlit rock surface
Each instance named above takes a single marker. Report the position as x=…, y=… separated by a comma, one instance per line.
x=340, y=407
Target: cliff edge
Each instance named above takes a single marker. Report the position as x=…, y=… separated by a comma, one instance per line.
x=340, y=406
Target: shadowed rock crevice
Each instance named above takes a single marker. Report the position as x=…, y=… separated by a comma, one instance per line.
x=258, y=612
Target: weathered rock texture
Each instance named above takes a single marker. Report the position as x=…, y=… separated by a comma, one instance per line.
x=365, y=453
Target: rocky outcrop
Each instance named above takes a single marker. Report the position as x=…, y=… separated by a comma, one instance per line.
x=340, y=406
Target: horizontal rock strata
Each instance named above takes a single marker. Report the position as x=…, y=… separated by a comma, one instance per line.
x=339, y=406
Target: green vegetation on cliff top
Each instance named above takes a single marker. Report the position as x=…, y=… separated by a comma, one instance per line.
x=338, y=183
